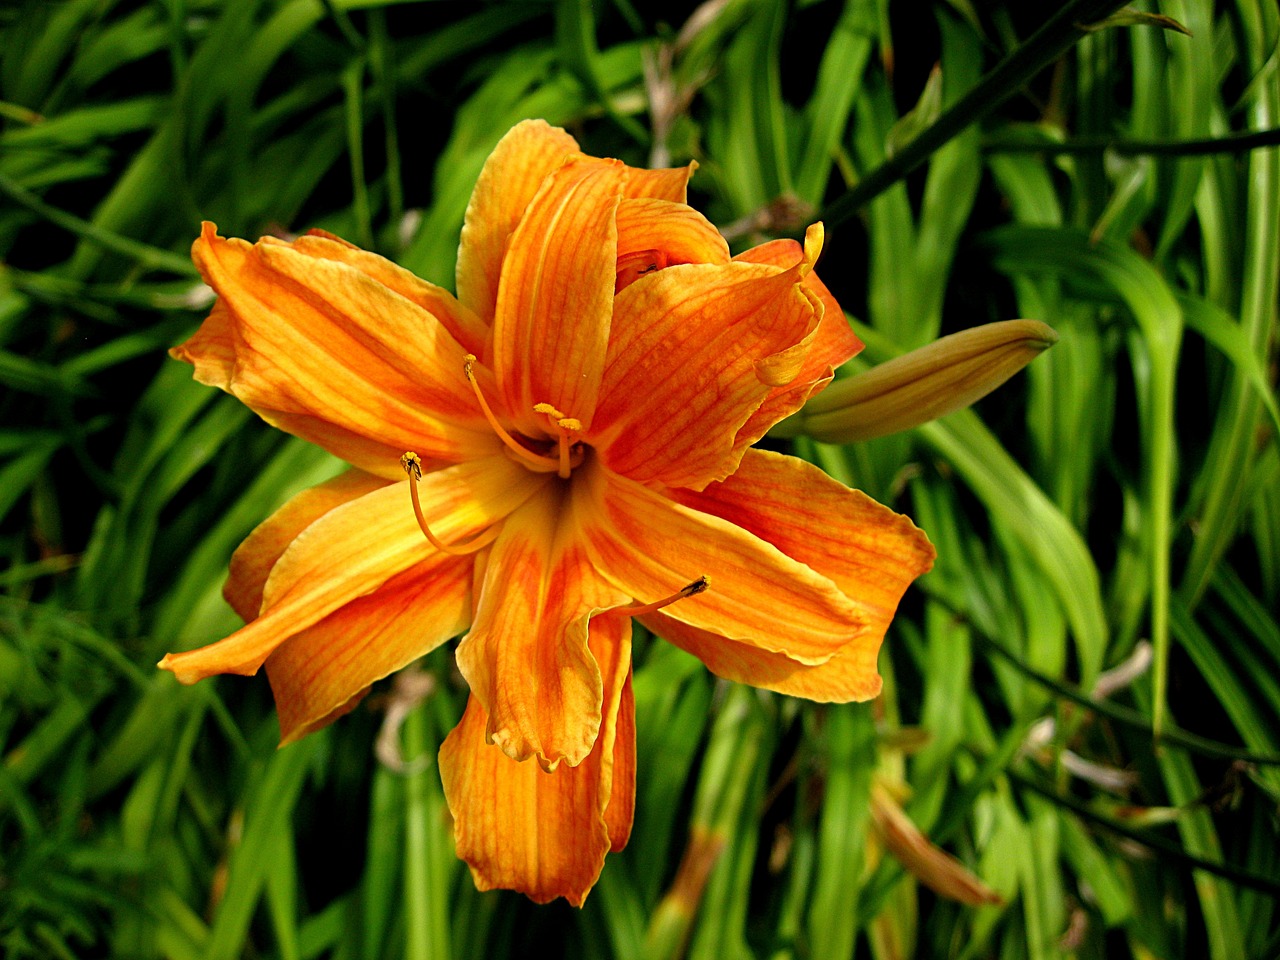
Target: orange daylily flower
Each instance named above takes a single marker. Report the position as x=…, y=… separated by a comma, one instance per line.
x=581, y=418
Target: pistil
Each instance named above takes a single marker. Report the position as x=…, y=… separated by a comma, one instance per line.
x=688, y=590
x=412, y=465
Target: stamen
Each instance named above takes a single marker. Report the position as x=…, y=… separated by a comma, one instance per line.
x=688, y=590
x=549, y=410
x=564, y=426
x=412, y=465
x=519, y=449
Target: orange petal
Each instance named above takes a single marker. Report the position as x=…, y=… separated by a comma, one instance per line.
x=693, y=352
x=610, y=644
x=663, y=184
x=650, y=547
x=849, y=675
x=546, y=834
x=555, y=299
x=526, y=658
x=356, y=548
x=871, y=553
x=463, y=325
x=653, y=234
x=371, y=456
x=620, y=813
x=316, y=673
x=254, y=558
x=834, y=344
x=319, y=338
x=529, y=153
x=337, y=713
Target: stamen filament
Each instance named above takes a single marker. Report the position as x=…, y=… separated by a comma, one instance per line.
x=512, y=444
x=412, y=465
x=564, y=470
x=688, y=590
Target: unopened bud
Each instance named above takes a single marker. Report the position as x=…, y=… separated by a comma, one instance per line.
x=937, y=379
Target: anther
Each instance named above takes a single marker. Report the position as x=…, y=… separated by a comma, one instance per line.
x=521, y=451
x=688, y=590
x=563, y=426
x=412, y=466
x=549, y=410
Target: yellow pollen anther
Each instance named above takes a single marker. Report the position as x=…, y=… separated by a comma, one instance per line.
x=549, y=410
x=563, y=426
x=688, y=590
x=412, y=465
x=539, y=462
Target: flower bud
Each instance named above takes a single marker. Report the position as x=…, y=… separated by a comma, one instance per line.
x=937, y=379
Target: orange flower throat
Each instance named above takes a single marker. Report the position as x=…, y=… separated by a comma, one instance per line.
x=568, y=453
x=563, y=428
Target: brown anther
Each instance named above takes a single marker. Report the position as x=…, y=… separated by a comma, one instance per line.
x=412, y=465
x=688, y=590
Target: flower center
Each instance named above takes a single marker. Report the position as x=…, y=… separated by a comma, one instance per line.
x=568, y=452
x=563, y=452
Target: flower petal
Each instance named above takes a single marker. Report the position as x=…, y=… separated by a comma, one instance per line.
x=319, y=338
x=258, y=553
x=693, y=352
x=526, y=658
x=317, y=672
x=621, y=810
x=555, y=298
x=834, y=344
x=849, y=675
x=871, y=553
x=610, y=644
x=212, y=350
x=546, y=834
x=356, y=548
x=462, y=323
x=529, y=153
x=653, y=234
x=665, y=183
x=650, y=547
x=371, y=456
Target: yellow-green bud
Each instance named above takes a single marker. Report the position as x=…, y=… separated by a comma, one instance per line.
x=937, y=379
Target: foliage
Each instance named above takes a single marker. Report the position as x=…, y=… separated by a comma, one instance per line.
x=1116, y=506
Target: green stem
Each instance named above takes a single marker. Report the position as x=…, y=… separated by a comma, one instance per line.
x=1121, y=714
x=1166, y=848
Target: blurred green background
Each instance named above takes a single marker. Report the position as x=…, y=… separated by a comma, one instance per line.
x=1081, y=700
